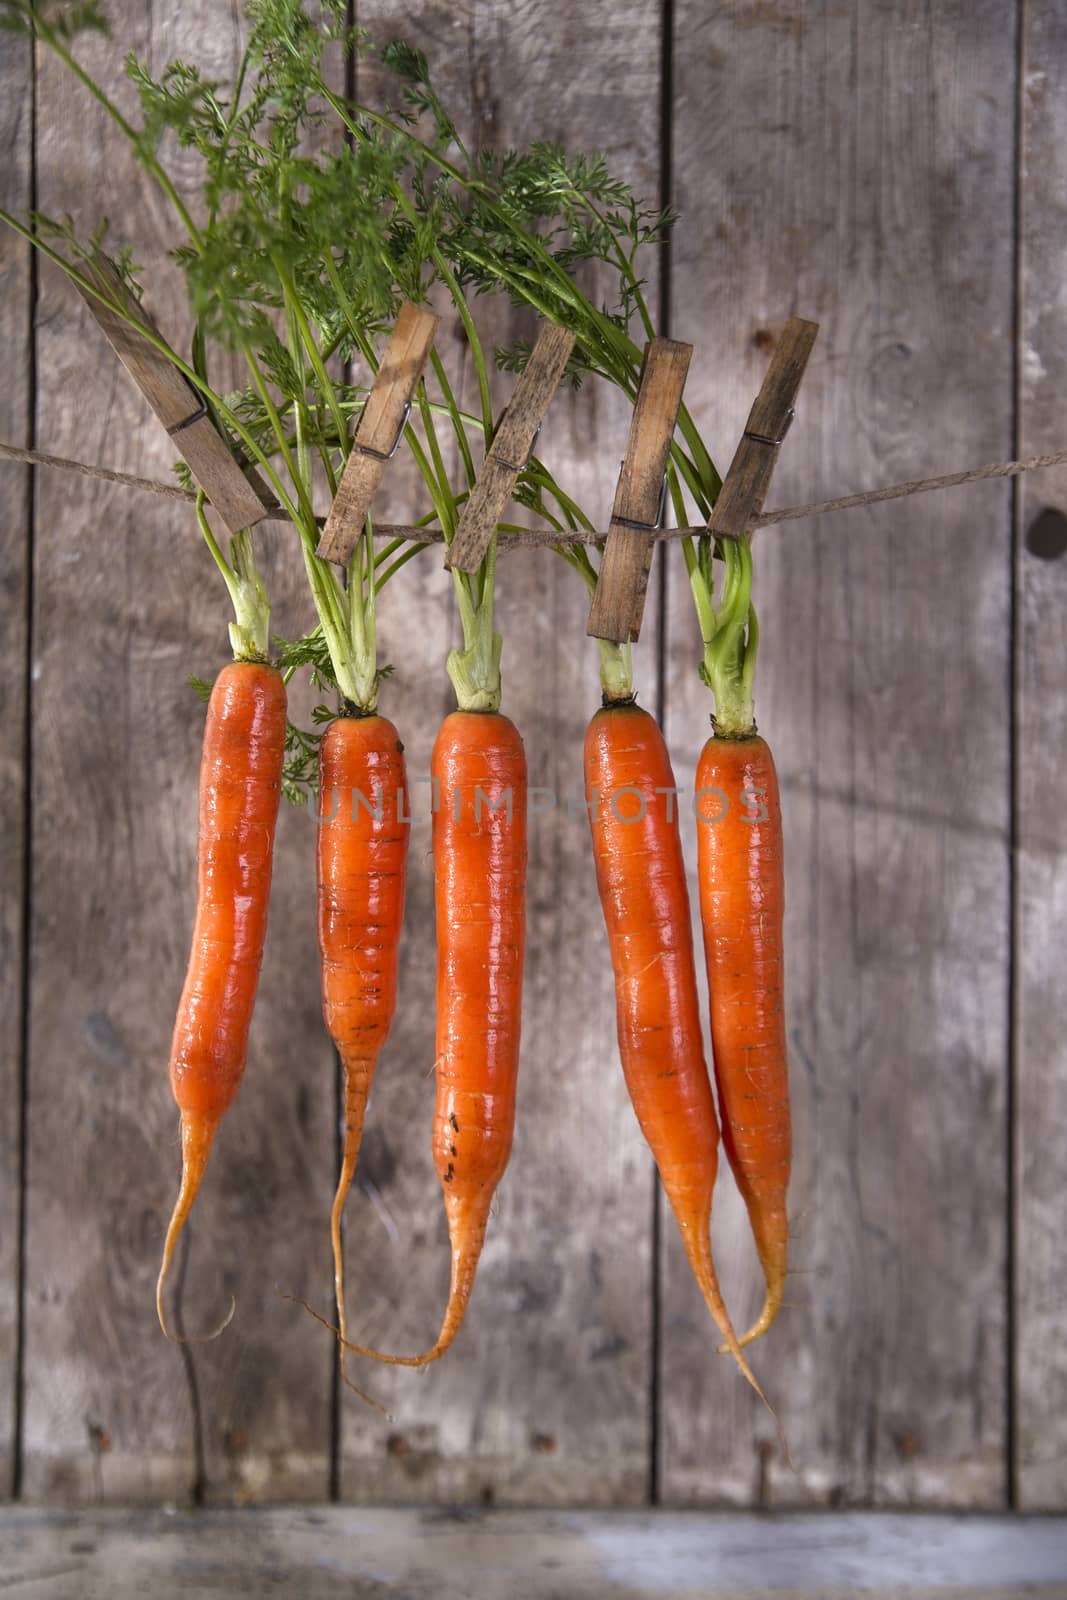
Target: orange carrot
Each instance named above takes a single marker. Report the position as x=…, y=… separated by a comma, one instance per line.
x=641, y=878
x=739, y=854
x=362, y=868
x=240, y=782
x=479, y=849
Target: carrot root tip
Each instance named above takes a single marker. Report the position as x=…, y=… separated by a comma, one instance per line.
x=199, y=1338
x=197, y=1135
x=368, y=1399
x=419, y=1361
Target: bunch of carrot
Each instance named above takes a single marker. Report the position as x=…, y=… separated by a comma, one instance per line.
x=335, y=243
x=479, y=824
x=479, y=847
x=642, y=883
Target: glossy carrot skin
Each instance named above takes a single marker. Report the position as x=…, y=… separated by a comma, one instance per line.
x=741, y=906
x=478, y=772
x=240, y=785
x=362, y=870
x=363, y=828
x=642, y=884
x=479, y=852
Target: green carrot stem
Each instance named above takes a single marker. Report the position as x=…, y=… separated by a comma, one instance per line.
x=475, y=670
x=475, y=344
x=305, y=520
x=307, y=339
x=457, y=416
x=381, y=579
x=731, y=644
x=250, y=629
x=303, y=449
x=444, y=496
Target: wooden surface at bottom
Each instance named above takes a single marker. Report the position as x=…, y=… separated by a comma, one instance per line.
x=535, y=1555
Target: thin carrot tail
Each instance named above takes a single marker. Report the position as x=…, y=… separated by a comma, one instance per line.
x=697, y=1240
x=467, y=1222
x=197, y=1134
x=357, y=1079
x=772, y=1304
x=771, y=1234
x=357, y=1076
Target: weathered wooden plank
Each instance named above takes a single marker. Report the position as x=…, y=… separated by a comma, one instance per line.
x=540, y=1555
x=882, y=687
x=543, y=1398
x=16, y=316
x=127, y=604
x=619, y=602
x=1041, y=824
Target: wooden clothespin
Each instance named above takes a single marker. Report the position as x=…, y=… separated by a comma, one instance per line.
x=380, y=429
x=512, y=446
x=179, y=408
x=640, y=498
x=745, y=486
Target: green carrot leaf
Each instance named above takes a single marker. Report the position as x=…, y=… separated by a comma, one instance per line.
x=64, y=19
x=310, y=651
x=300, y=771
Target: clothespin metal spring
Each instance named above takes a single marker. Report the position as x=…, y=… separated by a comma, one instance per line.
x=510, y=465
x=187, y=422
x=762, y=438
x=385, y=455
x=631, y=522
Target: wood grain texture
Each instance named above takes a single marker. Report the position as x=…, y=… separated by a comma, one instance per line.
x=16, y=320
x=378, y=433
x=513, y=441
x=619, y=601
x=175, y=402
x=859, y=169
x=748, y=479
x=538, y=1555
x=543, y=1398
x=128, y=603
x=855, y=167
x=1041, y=784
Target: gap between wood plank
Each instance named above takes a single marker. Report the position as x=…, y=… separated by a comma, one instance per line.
x=27, y=829
x=1011, y=1487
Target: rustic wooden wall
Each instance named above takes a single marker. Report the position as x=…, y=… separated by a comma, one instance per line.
x=896, y=172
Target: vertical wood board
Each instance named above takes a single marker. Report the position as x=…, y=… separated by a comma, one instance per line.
x=128, y=603
x=1041, y=782
x=16, y=317
x=857, y=170
x=543, y=1398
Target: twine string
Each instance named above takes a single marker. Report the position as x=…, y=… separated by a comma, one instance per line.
x=541, y=536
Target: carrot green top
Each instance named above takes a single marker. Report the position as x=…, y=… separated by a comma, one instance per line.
x=297, y=260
